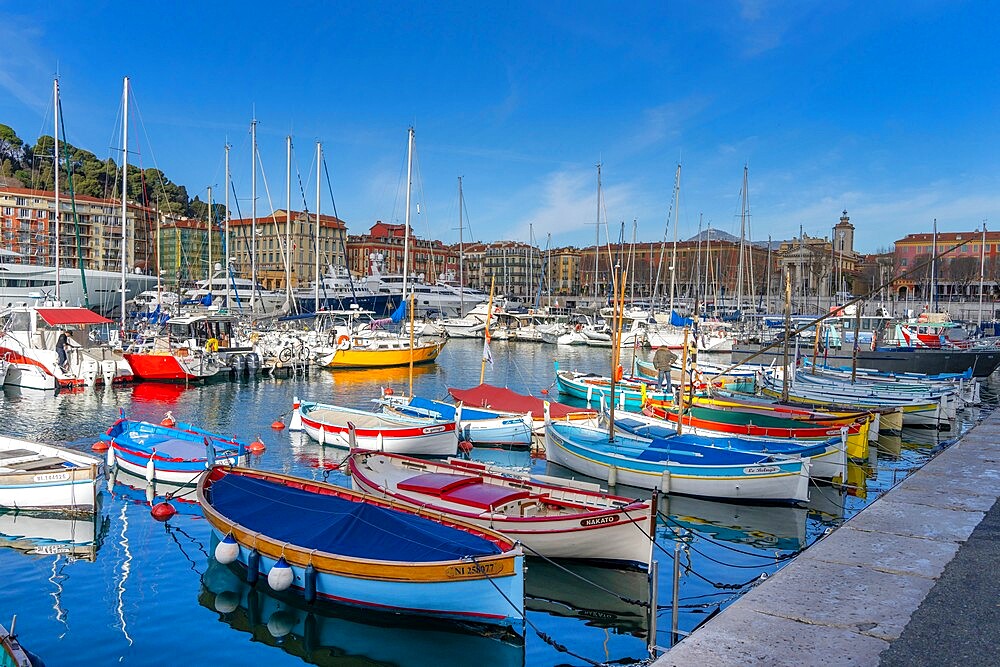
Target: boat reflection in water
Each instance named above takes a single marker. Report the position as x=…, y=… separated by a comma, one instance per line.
x=603, y=597
x=770, y=527
x=77, y=537
x=137, y=489
x=325, y=634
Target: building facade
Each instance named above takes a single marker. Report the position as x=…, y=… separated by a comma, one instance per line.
x=956, y=272
x=383, y=244
x=182, y=253
x=89, y=228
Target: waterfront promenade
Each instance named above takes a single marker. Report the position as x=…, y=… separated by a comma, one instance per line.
x=910, y=580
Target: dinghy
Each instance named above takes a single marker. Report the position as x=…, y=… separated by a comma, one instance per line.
x=35, y=476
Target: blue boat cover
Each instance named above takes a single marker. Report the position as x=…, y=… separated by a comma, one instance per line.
x=447, y=411
x=340, y=526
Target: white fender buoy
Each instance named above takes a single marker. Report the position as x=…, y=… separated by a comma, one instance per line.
x=281, y=623
x=227, y=602
x=112, y=459
x=665, y=481
x=150, y=493
x=150, y=468
x=321, y=437
x=280, y=577
x=295, y=424
x=612, y=475
x=227, y=551
x=590, y=393
x=379, y=442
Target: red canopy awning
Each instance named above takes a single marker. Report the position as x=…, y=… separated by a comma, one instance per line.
x=505, y=400
x=57, y=316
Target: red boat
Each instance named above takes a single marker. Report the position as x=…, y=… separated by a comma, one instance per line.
x=172, y=365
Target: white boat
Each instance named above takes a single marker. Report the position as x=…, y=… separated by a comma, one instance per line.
x=4, y=365
x=29, y=376
x=550, y=520
x=346, y=427
x=241, y=293
x=34, y=476
x=30, y=335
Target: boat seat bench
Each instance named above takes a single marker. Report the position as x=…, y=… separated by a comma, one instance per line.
x=49, y=462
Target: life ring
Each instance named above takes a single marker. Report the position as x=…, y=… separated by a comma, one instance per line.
x=343, y=342
x=212, y=345
x=619, y=373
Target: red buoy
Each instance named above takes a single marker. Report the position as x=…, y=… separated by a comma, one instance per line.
x=545, y=391
x=464, y=446
x=257, y=446
x=387, y=391
x=277, y=424
x=99, y=446
x=162, y=511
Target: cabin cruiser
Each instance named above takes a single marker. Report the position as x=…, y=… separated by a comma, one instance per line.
x=30, y=338
x=240, y=292
x=338, y=290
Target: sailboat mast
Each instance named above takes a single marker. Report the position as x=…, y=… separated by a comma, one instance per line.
x=288, y=218
x=597, y=230
x=319, y=163
x=673, y=254
x=406, y=215
x=211, y=284
x=124, y=193
x=253, y=215
x=933, y=299
x=461, y=252
x=982, y=273
x=743, y=231
x=55, y=170
x=225, y=240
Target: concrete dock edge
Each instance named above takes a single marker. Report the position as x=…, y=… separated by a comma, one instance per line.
x=845, y=598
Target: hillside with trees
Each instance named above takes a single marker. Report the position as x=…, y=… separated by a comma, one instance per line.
x=32, y=166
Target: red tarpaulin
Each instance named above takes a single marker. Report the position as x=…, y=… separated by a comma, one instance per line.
x=57, y=316
x=505, y=400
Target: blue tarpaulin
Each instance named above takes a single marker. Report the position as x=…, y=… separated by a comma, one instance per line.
x=678, y=321
x=400, y=314
x=340, y=526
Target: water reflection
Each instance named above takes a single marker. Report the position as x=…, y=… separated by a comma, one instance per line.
x=323, y=634
x=602, y=597
x=52, y=533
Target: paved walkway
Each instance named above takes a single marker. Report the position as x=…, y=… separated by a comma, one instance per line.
x=923, y=551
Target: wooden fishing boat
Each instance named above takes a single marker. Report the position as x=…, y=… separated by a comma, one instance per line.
x=759, y=424
x=554, y=521
x=35, y=476
x=501, y=398
x=650, y=464
x=177, y=453
x=480, y=426
x=381, y=351
x=827, y=454
x=629, y=394
x=369, y=553
x=12, y=654
x=348, y=427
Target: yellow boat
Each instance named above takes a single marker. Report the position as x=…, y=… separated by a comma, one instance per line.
x=379, y=352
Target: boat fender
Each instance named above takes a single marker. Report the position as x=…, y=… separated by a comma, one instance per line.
x=465, y=447
x=665, y=482
x=343, y=342
x=253, y=567
x=612, y=476
x=151, y=468
x=253, y=607
x=150, y=494
x=227, y=551
x=281, y=623
x=590, y=393
x=162, y=511
x=310, y=634
x=295, y=424
x=619, y=373
x=321, y=436
x=280, y=577
x=309, y=584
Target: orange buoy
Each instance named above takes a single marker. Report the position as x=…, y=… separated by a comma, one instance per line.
x=99, y=446
x=257, y=446
x=387, y=391
x=464, y=446
x=168, y=420
x=277, y=424
x=619, y=372
x=162, y=511
x=545, y=391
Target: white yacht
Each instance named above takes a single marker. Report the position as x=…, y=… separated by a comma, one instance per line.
x=239, y=292
x=338, y=290
x=27, y=284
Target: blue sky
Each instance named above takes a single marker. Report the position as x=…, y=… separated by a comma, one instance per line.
x=887, y=109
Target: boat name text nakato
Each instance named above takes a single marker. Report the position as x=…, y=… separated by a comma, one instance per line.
x=599, y=520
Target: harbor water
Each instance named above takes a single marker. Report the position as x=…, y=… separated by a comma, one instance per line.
x=126, y=589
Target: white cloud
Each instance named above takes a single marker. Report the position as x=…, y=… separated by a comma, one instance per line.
x=23, y=72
